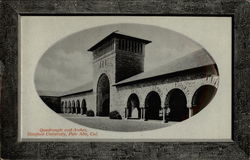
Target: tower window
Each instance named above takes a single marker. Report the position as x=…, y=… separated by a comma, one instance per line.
x=128, y=45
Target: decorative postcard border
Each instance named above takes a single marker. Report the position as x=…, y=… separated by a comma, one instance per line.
x=12, y=149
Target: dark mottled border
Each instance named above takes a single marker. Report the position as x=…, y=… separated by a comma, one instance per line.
x=11, y=149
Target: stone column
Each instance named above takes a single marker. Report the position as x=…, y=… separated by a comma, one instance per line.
x=81, y=110
x=126, y=112
x=164, y=115
x=144, y=114
x=190, y=112
x=141, y=112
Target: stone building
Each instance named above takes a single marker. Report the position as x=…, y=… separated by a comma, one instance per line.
x=177, y=90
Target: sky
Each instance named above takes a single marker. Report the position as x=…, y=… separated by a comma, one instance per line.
x=67, y=64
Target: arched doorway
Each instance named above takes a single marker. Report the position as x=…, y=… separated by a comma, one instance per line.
x=66, y=107
x=78, y=109
x=177, y=102
x=84, y=107
x=73, y=107
x=202, y=96
x=153, y=106
x=70, y=110
x=103, y=96
x=133, y=105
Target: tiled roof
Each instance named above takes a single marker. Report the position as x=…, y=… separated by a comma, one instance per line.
x=87, y=87
x=195, y=59
x=49, y=93
x=117, y=34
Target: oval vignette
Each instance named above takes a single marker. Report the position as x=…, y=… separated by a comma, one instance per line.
x=126, y=77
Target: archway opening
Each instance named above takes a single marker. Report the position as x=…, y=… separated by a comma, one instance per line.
x=70, y=110
x=202, y=96
x=153, y=106
x=133, y=105
x=66, y=107
x=78, y=109
x=103, y=96
x=84, y=107
x=73, y=107
x=177, y=102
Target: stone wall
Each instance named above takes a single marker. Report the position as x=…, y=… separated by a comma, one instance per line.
x=109, y=70
x=128, y=64
x=188, y=82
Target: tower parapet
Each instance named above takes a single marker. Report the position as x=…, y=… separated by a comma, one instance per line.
x=129, y=55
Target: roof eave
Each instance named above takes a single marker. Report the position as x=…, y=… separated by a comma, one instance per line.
x=65, y=95
x=146, y=78
x=111, y=35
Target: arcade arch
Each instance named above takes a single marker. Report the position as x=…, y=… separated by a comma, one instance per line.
x=133, y=106
x=177, y=103
x=202, y=96
x=152, y=106
x=103, y=96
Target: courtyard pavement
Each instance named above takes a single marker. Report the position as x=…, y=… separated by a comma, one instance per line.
x=104, y=123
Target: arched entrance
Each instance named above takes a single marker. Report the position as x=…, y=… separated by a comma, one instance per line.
x=66, y=107
x=202, y=96
x=78, y=109
x=133, y=105
x=73, y=107
x=177, y=102
x=70, y=110
x=153, y=106
x=103, y=96
x=84, y=107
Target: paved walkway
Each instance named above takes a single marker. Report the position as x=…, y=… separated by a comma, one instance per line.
x=123, y=125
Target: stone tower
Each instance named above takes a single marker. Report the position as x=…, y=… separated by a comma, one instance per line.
x=115, y=58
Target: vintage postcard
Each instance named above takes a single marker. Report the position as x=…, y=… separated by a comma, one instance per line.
x=125, y=78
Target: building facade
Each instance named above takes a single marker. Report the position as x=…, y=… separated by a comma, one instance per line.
x=175, y=91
